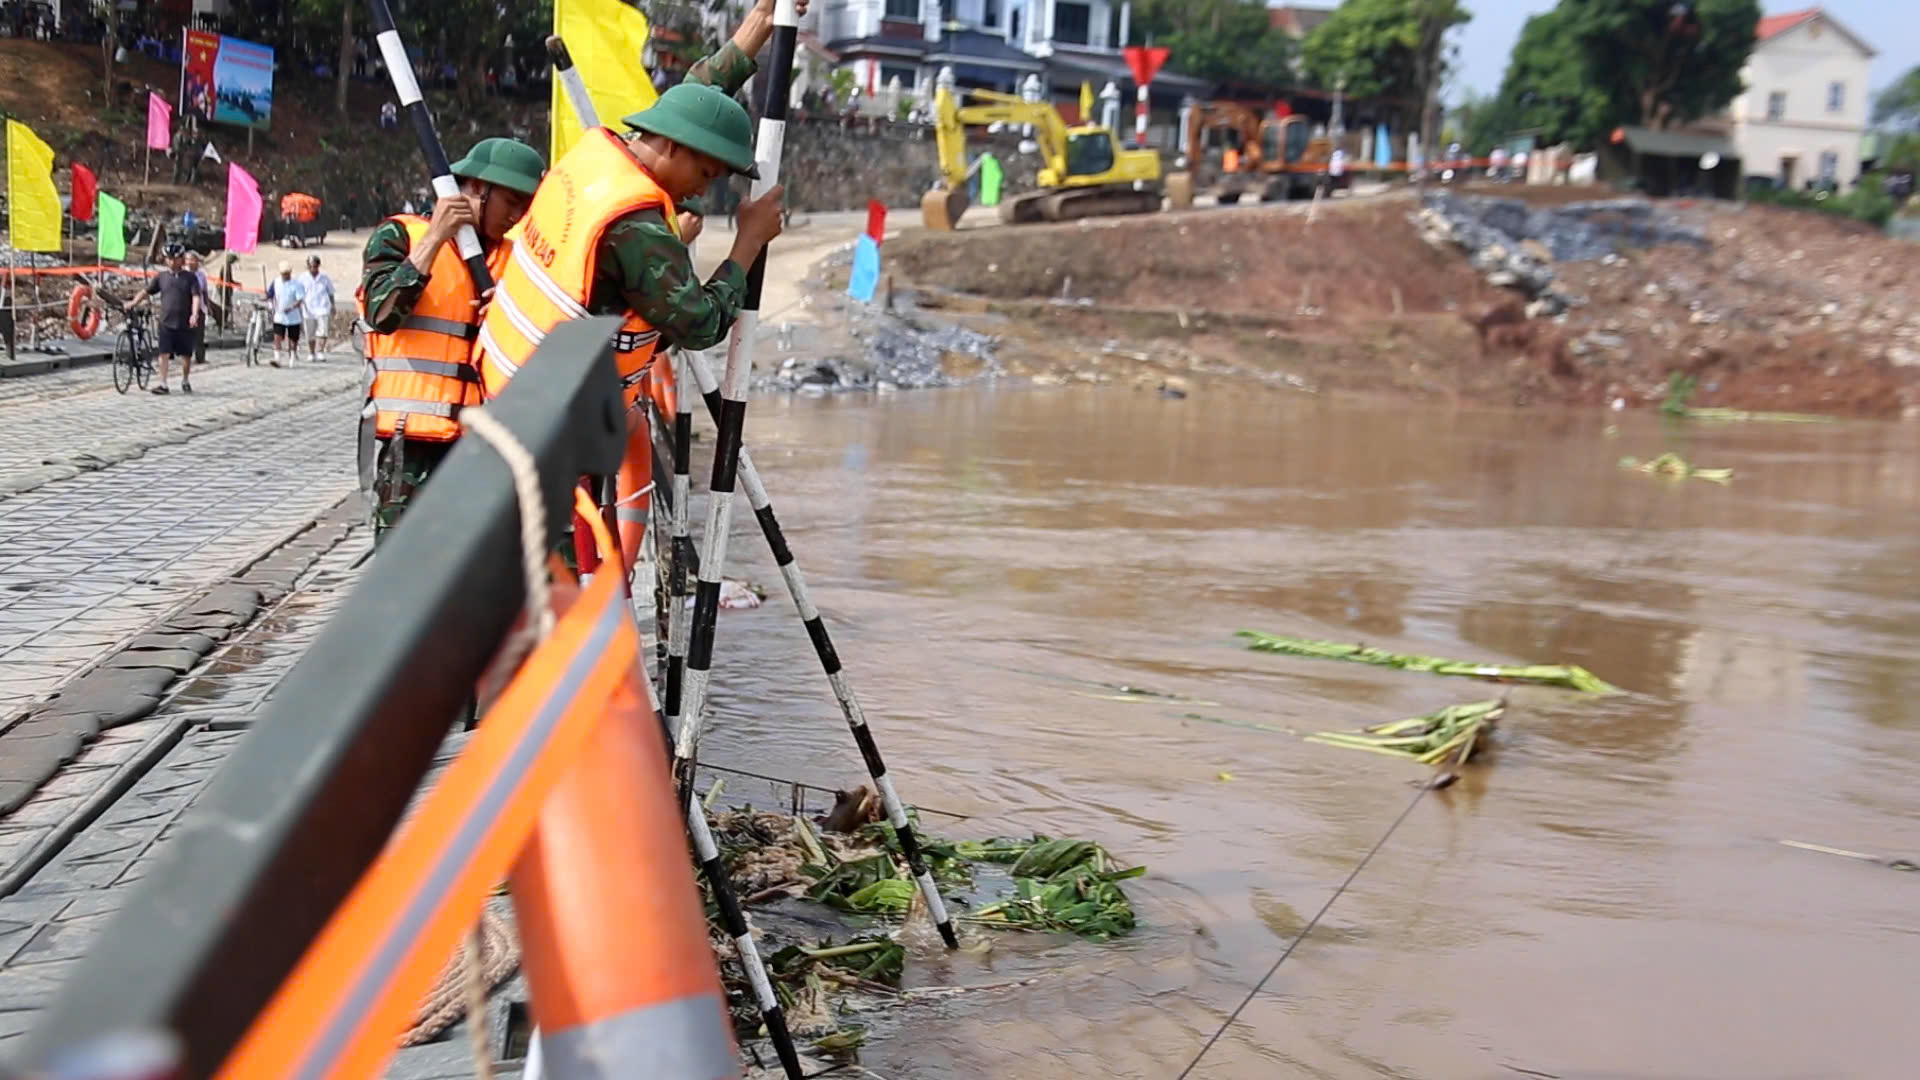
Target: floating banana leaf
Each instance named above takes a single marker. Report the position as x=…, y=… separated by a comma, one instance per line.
x=1742, y=414
x=1677, y=467
x=1447, y=736
x=1570, y=676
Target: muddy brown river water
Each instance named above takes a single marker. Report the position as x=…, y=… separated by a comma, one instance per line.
x=1604, y=896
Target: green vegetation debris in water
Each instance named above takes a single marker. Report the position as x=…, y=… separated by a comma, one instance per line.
x=1446, y=737
x=1569, y=676
x=1060, y=885
x=1680, y=388
x=1677, y=467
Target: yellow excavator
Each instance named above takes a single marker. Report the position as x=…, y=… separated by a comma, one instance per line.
x=1087, y=174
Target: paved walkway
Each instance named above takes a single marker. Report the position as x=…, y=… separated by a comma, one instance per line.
x=88, y=561
x=58, y=426
x=54, y=916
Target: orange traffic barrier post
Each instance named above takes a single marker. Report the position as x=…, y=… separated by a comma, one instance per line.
x=566, y=784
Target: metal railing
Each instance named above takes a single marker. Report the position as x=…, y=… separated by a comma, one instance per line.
x=316, y=788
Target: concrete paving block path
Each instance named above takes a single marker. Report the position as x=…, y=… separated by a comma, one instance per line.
x=87, y=561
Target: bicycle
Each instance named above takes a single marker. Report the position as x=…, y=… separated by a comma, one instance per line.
x=257, y=334
x=134, y=351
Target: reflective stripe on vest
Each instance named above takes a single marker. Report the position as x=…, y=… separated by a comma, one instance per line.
x=555, y=254
x=423, y=372
x=463, y=331
x=415, y=407
x=420, y=366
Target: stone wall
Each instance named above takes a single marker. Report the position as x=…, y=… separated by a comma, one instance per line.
x=838, y=165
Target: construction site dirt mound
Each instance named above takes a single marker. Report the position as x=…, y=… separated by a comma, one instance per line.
x=1782, y=310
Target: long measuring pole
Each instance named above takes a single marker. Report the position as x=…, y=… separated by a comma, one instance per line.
x=733, y=919
x=816, y=625
x=407, y=88
x=733, y=408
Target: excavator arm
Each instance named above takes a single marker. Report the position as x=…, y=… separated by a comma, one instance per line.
x=951, y=121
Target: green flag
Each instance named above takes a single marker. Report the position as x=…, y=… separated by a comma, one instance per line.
x=113, y=233
x=990, y=178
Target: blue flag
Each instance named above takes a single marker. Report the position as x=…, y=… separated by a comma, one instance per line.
x=1382, y=150
x=866, y=269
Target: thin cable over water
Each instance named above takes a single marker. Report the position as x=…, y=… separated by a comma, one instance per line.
x=1308, y=929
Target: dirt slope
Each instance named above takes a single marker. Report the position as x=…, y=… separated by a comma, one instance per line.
x=1787, y=310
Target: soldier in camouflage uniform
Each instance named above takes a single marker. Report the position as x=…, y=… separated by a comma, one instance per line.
x=645, y=266
x=498, y=178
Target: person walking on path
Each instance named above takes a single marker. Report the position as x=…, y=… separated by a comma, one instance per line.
x=206, y=307
x=319, y=307
x=287, y=298
x=422, y=316
x=182, y=309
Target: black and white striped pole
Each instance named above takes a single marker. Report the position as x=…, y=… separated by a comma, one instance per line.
x=680, y=555
x=734, y=921
x=762, y=504
x=407, y=89
x=733, y=407
x=575, y=86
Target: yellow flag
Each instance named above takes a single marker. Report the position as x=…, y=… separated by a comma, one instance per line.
x=34, y=222
x=1086, y=103
x=606, y=38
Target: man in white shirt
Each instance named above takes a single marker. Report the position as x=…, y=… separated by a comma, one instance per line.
x=287, y=300
x=318, y=288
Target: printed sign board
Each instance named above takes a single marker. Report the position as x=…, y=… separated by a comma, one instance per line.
x=226, y=80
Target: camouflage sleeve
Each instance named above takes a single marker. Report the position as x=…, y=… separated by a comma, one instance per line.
x=392, y=284
x=658, y=281
x=727, y=70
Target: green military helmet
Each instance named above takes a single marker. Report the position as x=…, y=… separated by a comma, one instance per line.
x=508, y=163
x=703, y=120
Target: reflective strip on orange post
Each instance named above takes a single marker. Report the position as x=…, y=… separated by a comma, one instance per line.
x=634, y=488
x=342, y=1010
x=612, y=929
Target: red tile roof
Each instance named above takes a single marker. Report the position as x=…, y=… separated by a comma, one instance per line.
x=1775, y=25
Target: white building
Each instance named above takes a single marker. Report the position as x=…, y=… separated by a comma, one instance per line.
x=1804, y=111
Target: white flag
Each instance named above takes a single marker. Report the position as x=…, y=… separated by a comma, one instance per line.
x=211, y=154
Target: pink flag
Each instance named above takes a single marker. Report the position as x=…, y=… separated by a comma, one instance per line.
x=243, y=210
x=159, y=122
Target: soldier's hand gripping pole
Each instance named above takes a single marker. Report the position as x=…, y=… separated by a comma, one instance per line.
x=407, y=88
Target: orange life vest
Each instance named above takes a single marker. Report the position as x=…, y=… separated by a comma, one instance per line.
x=423, y=373
x=556, y=252
x=1230, y=160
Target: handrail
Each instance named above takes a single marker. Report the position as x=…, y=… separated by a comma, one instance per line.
x=313, y=792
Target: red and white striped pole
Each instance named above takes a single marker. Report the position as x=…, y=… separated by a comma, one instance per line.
x=1144, y=61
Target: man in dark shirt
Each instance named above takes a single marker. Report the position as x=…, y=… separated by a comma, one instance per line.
x=182, y=307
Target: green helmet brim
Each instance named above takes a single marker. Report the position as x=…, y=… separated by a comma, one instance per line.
x=671, y=125
x=503, y=163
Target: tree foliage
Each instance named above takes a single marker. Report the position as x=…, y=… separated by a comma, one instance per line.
x=1898, y=106
x=1217, y=39
x=1588, y=66
x=1391, y=49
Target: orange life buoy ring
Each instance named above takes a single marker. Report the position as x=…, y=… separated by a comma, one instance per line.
x=83, y=316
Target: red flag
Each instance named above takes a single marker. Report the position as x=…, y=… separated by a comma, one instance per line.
x=86, y=192
x=1145, y=61
x=877, y=220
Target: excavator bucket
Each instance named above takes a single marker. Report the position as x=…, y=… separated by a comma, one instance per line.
x=940, y=209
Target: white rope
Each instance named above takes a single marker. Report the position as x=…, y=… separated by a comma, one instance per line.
x=533, y=517
x=533, y=631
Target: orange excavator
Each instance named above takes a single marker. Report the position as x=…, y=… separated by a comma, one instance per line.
x=1223, y=148
x=1233, y=151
